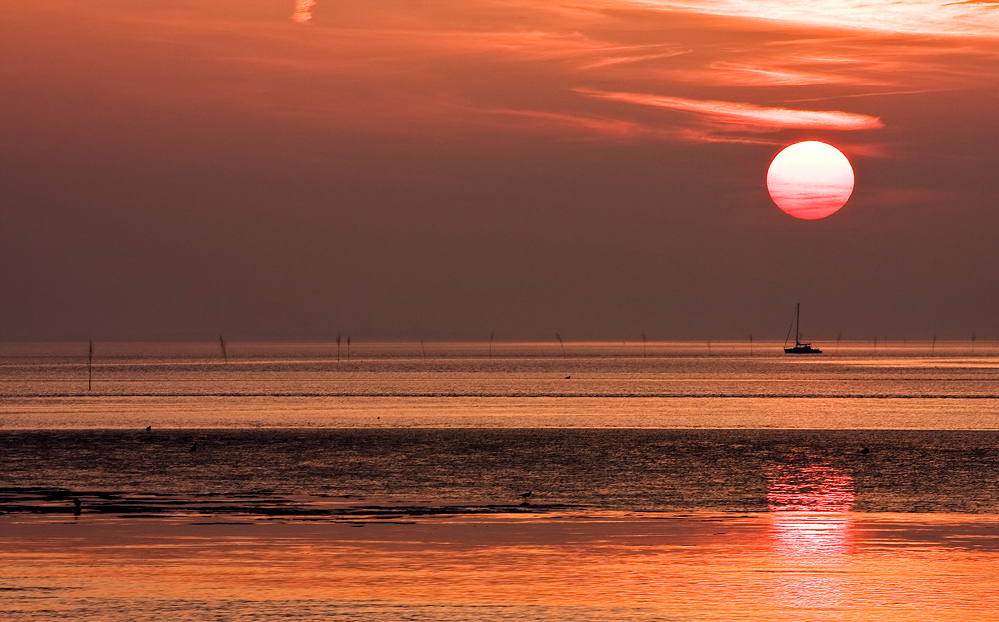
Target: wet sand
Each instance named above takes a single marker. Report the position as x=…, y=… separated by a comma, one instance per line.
x=567, y=565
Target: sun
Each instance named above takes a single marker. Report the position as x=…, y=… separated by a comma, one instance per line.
x=810, y=180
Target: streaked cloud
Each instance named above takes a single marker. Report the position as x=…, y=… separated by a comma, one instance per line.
x=634, y=58
x=933, y=17
x=447, y=69
x=740, y=74
x=749, y=116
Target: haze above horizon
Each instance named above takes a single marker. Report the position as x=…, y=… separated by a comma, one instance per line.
x=444, y=169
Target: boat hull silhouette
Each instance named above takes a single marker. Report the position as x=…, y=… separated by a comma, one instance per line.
x=802, y=348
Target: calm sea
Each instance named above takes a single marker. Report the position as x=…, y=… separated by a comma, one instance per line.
x=659, y=426
x=475, y=385
x=781, y=471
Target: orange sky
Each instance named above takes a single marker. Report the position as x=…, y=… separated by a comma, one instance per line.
x=446, y=169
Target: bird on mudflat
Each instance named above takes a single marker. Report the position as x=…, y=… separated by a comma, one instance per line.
x=525, y=495
x=76, y=505
x=194, y=448
x=149, y=428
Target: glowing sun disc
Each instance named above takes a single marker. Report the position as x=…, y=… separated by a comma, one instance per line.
x=810, y=179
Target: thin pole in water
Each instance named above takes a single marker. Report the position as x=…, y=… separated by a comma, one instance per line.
x=491, y=335
x=225, y=355
x=559, y=337
x=90, y=365
x=338, y=347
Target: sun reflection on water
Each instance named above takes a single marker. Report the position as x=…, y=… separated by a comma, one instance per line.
x=810, y=511
x=816, y=488
x=811, y=535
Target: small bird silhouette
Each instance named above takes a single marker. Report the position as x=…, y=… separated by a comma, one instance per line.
x=149, y=428
x=194, y=448
x=865, y=450
x=567, y=377
x=76, y=505
x=525, y=495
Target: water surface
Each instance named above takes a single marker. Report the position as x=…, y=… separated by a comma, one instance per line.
x=657, y=385
x=462, y=482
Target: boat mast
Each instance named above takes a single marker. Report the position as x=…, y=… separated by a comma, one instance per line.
x=797, y=324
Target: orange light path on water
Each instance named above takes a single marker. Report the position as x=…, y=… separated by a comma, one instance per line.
x=812, y=536
x=773, y=566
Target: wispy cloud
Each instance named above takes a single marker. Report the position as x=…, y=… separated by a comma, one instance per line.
x=863, y=95
x=933, y=17
x=635, y=58
x=741, y=74
x=581, y=127
x=749, y=116
x=507, y=65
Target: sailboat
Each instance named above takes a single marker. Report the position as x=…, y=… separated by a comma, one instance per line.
x=799, y=348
